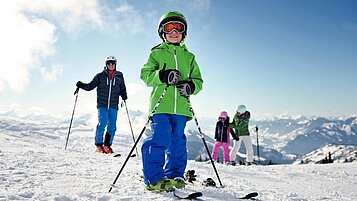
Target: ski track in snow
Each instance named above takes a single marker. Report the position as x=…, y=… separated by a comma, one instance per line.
x=35, y=166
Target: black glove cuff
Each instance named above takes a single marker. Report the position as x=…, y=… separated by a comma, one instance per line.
x=162, y=76
x=192, y=86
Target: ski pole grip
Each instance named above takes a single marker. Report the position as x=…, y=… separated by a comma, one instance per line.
x=76, y=91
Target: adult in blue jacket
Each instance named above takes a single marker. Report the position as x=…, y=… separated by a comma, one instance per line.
x=110, y=85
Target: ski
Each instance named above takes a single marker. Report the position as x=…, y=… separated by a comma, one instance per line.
x=249, y=196
x=117, y=155
x=181, y=194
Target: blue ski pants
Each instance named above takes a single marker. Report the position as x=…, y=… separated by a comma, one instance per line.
x=167, y=141
x=107, y=118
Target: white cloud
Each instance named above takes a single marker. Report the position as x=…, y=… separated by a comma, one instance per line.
x=129, y=18
x=134, y=88
x=23, y=41
x=72, y=16
x=29, y=30
x=51, y=74
x=37, y=111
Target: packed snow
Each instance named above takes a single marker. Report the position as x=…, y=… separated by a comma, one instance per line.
x=35, y=166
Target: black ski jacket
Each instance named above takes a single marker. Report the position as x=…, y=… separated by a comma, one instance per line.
x=108, y=90
x=221, y=132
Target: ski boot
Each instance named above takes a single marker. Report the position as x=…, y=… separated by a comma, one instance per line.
x=163, y=184
x=248, y=163
x=178, y=182
x=107, y=144
x=100, y=149
x=190, y=176
x=209, y=182
x=232, y=163
x=108, y=149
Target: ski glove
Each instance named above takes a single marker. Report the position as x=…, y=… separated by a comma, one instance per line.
x=234, y=136
x=124, y=97
x=80, y=84
x=169, y=77
x=185, y=88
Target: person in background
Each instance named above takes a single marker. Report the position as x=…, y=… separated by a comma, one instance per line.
x=110, y=85
x=170, y=66
x=240, y=125
x=222, y=136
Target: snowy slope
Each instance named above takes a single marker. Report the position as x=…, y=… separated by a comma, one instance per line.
x=339, y=154
x=34, y=166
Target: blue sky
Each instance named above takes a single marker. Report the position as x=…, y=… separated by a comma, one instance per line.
x=276, y=57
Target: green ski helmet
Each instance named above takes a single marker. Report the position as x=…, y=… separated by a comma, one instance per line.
x=171, y=16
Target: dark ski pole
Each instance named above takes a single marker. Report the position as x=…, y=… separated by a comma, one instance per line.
x=70, y=124
x=256, y=130
x=141, y=133
x=131, y=128
x=204, y=141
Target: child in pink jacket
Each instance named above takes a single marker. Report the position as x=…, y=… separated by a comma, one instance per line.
x=222, y=134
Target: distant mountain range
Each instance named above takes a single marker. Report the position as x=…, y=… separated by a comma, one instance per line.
x=299, y=136
x=281, y=140
x=338, y=154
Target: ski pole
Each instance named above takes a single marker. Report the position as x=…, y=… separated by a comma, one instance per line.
x=70, y=124
x=131, y=128
x=204, y=141
x=256, y=130
x=141, y=133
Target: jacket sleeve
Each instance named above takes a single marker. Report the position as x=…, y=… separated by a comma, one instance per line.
x=150, y=72
x=123, y=94
x=234, y=123
x=216, y=132
x=196, y=77
x=234, y=136
x=93, y=84
x=244, y=121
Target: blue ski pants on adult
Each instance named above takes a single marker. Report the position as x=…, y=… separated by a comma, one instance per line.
x=107, y=118
x=167, y=138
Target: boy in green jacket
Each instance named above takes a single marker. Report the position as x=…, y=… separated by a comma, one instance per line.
x=240, y=125
x=169, y=64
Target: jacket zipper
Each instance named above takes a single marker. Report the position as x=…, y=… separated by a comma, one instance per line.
x=175, y=106
x=110, y=91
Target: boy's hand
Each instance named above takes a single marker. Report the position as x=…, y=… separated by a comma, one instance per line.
x=185, y=88
x=169, y=77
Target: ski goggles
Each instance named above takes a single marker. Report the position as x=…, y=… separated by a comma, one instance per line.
x=113, y=62
x=169, y=27
x=221, y=118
